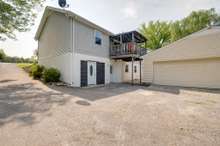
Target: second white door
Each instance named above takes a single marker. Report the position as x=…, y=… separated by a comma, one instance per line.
x=91, y=73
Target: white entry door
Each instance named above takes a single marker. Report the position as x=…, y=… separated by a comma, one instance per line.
x=91, y=73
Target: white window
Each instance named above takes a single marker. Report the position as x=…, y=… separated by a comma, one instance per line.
x=98, y=38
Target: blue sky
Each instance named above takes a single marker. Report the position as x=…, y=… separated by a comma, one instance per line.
x=115, y=15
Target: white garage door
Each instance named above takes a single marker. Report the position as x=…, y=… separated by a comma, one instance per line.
x=197, y=73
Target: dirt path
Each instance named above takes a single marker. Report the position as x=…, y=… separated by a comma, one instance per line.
x=11, y=73
x=32, y=114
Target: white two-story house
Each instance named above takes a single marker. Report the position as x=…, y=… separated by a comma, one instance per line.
x=85, y=53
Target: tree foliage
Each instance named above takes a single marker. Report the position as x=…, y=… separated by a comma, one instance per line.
x=9, y=59
x=16, y=15
x=157, y=33
x=194, y=22
x=2, y=54
x=161, y=33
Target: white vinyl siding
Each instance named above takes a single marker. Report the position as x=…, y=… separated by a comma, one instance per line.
x=85, y=42
x=55, y=37
x=203, y=45
x=54, y=45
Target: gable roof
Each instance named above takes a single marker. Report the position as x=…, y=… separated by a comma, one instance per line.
x=48, y=10
x=202, y=44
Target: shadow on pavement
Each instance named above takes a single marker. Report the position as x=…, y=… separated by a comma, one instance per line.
x=97, y=93
x=20, y=102
x=6, y=81
x=177, y=89
x=83, y=103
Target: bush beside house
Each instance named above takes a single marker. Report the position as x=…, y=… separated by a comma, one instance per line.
x=36, y=71
x=41, y=73
x=51, y=75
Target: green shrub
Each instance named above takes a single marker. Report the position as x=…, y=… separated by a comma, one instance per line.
x=51, y=75
x=36, y=71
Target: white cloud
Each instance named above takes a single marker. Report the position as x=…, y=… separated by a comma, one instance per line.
x=130, y=10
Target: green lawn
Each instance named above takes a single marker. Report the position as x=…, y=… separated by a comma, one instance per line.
x=24, y=65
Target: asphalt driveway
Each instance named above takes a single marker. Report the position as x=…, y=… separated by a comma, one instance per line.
x=32, y=114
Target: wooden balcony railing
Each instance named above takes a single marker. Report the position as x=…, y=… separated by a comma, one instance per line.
x=121, y=50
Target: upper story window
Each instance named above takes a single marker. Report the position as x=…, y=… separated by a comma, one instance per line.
x=98, y=38
x=126, y=68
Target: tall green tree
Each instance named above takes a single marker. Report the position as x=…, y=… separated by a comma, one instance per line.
x=196, y=21
x=157, y=33
x=160, y=34
x=16, y=15
x=177, y=30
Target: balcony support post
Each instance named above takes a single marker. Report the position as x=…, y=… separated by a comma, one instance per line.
x=121, y=44
x=132, y=71
x=140, y=73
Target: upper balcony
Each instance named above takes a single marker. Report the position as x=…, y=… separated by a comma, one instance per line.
x=127, y=45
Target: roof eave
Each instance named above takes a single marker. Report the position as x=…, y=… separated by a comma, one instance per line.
x=71, y=14
x=42, y=23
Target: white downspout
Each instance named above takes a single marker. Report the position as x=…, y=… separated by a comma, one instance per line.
x=72, y=51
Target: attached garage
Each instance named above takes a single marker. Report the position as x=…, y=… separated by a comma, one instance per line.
x=191, y=62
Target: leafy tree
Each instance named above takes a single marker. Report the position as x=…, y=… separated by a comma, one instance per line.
x=157, y=33
x=5, y=58
x=160, y=34
x=2, y=54
x=16, y=15
x=196, y=21
x=177, y=31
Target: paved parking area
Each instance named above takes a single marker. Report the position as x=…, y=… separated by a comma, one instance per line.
x=32, y=114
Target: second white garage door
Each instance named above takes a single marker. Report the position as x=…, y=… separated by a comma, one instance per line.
x=189, y=73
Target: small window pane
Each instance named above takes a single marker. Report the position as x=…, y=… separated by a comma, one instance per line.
x=111, y=69
x=135, y=69
x=91, y=70
x=126, y=68
x=98, y=38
